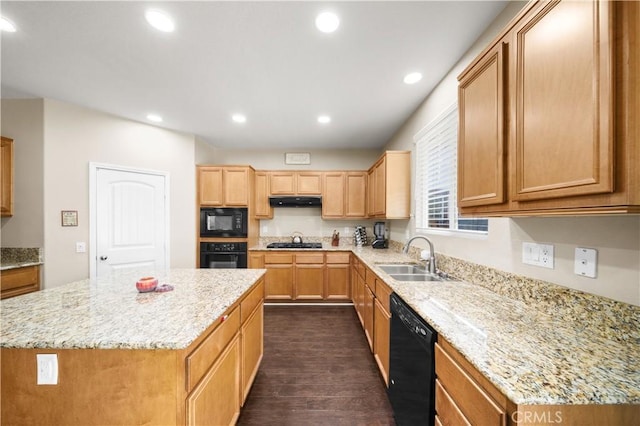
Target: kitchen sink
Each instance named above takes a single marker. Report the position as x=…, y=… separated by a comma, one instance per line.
x=411, y=272
x=417, y=277
x=402, y=269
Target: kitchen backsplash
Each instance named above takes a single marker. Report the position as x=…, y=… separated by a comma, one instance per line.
x=20, y=255
x=622, y=319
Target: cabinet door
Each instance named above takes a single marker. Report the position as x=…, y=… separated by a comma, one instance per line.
x=481, y=138
x=563, y=80
x=216, y=399
x=333, y=198
x=368, y=315
x=283, y=183
x=309, y=282
x=6, y=177
x=380, y=196
x=309, y=183
x=15, y=282
x=278, y=282
x=337, y=287
x=371, y=192
x=252, y=348
x=381, y=330
x=210, y=190
x=356, y=194
x=236, y=186
x=262, y=208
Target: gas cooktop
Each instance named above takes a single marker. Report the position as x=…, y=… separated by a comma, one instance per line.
x=294, y=245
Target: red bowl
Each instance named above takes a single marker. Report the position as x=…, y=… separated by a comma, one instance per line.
x=146, y=284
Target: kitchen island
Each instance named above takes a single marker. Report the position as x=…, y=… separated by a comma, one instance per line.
x=186, y=356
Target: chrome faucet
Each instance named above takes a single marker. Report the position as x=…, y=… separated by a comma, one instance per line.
x=432, y=253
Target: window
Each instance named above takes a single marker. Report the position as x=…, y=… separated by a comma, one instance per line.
x=436, y=177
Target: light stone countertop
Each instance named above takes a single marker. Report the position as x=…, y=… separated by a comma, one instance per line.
x=16, y=265
x=533, y=356
x=112, y=314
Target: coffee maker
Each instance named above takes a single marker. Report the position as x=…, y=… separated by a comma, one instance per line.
x=379, y=240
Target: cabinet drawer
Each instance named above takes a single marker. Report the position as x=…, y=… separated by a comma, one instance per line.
x=338, y=258
x=447, y=410
x=314, y=258
x=472, y=400
x=249, y=303
x=20, y=281
x=278, y=258
x=199, y=361
x=382, y=294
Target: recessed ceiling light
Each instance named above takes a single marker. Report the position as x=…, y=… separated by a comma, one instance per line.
x=324, y=119
x=159, y=20
x=7, y=25
x=239, y=118
x=154, y=117
x=327, y=22
x=412, y=78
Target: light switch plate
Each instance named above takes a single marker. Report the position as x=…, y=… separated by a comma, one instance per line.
x=81, y=247
x=47, y=365
x=537, y=254
x=586, y=261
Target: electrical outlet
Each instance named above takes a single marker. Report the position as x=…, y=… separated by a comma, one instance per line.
x=47, y=369
x=537, y=254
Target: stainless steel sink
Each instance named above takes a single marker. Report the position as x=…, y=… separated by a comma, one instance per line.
x=416, y=277
x=402, y=269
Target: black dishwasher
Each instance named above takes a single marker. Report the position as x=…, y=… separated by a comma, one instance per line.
x=411, y=366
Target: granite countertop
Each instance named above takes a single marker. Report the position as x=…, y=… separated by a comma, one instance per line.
x=16, y=265
x=112, y=314
x=534, y=356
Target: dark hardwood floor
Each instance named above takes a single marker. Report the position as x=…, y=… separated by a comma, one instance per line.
x=317, y=370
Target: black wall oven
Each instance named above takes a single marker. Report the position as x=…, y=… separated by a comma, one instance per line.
x=223, y=222
x=223, y=255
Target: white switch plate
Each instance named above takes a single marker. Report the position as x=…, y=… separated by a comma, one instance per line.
x=81, y=247
x=586, y=261
x=537, y=254
x=47, y=369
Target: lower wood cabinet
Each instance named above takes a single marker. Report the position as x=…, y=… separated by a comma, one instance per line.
x=309, y=276
x=337, y=276
x=252, y=348
x=216, y=399
x=382, y=329
x=463, y=396
x=306, y=275
x=19, y=281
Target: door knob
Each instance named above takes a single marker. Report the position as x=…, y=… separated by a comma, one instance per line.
x=103, y=257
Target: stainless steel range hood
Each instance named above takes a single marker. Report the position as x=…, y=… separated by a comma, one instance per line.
x=294, y=201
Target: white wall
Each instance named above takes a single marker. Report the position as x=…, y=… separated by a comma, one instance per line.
x=75, y=136
x=23, y=121
x=617, y=239
x=347, y=159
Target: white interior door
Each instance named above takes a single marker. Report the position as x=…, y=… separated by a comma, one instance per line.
x=131, y=216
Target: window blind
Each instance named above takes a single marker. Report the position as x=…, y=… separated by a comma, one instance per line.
x=436, y=177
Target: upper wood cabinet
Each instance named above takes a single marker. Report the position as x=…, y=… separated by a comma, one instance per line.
x=344, y=195
x=391, y=180
x=481, y=147
x=224, y=185
x=6, y=177
x=550, y=110
x=262, y=208
x=295, y=183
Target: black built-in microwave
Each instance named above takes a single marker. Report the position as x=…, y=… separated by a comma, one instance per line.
x=223, y=222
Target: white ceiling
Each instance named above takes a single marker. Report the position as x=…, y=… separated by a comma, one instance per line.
x=264, y=59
